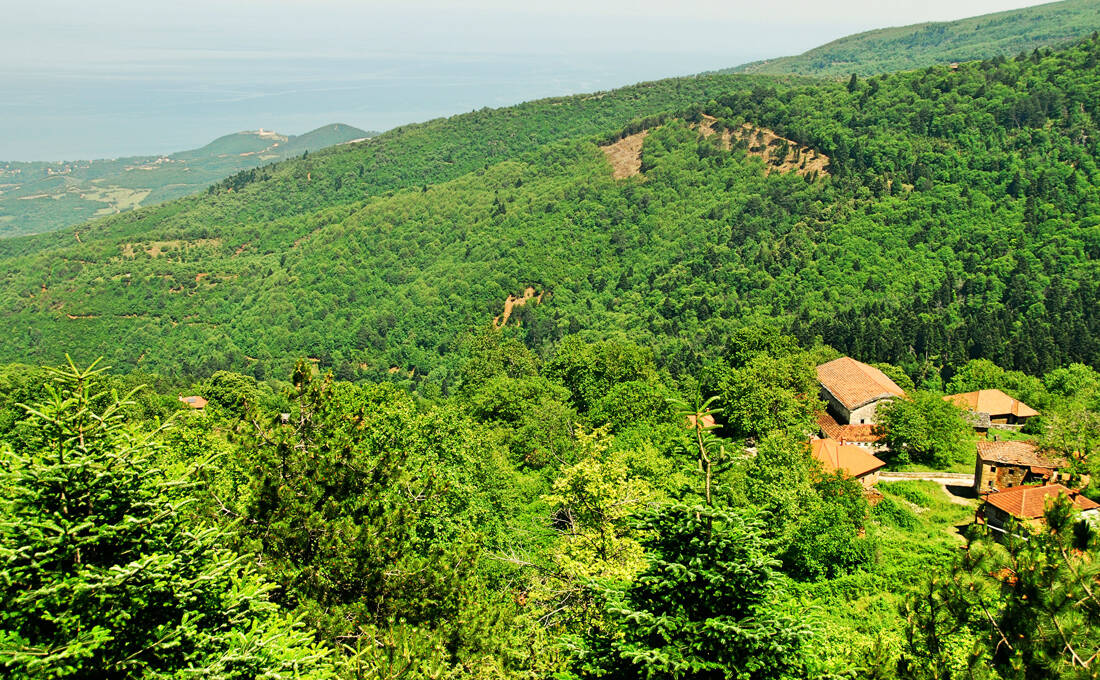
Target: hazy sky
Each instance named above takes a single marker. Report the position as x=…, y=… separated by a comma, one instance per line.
x=117, y=77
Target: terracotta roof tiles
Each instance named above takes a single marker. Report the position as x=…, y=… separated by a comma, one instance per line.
x=853, y=460
x=854, y=383
x=845, y=433
x=993, y=402
x=1023, y=454
x=1029, y=502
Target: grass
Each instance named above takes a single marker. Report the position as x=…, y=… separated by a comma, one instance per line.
x=914, y=530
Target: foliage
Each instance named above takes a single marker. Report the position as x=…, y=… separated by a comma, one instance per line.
x=828, y=541
x=594, y=500
x=921, y=45
x=103, y=573
x=703, y=608
x=770, y=394
x=365, y=511
x=925, y=428
x=1028, y=606
x=956, y=221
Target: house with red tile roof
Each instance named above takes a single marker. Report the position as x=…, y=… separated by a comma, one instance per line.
x=857, y=435
x=851, y=460
x=853, y=391
x=1006, y=464
x=1000, y=408
x=1028, y=504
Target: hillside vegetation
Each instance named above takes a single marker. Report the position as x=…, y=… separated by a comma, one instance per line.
x=957, y=219
x=909, y=47
x=542, y=521
x=38, y=197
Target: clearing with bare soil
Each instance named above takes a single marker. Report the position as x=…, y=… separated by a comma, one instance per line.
x=514, y=301
x=781, y=154
x=625, y=155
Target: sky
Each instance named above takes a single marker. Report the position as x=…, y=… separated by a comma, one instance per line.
x=127, y=77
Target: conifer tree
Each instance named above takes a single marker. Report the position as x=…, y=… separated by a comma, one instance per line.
x=104, y=574
x=704, y=608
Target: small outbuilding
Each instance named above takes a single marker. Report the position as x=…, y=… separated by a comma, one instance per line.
x=1005, y=464
x=194, y=402
x=1000, y=408
x=851, y=460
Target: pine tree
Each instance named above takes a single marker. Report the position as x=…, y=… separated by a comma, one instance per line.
x=105, y=576
x=703, y=609
x=1027, y=607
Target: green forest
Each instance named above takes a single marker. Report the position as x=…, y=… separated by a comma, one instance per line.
x=956, y=219
x=884, y=50
x=571, y=517
x=528, y=393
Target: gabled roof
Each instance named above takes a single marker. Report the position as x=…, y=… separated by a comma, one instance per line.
x=1023, y=454
x=855, y=384
x=853, y=460
x=993, y=402
x=1029, y=502
x=845, y=433
x=194, y=402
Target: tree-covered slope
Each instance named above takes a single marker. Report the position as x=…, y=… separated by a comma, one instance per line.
x=412, y=155
x=908, y=47
x=38, y=197
x=958, y=219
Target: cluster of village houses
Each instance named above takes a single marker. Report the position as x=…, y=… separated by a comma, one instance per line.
x=1014, y=479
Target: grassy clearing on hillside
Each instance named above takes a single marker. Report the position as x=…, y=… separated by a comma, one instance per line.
x=915, y=529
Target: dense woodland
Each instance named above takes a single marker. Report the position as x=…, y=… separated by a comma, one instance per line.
x=554, y=517
x=957, y=220
x=920, y=45
x=389, y=482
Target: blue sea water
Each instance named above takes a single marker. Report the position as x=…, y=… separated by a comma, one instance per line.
x=163, y=102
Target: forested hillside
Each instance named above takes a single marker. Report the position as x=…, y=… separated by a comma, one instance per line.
x=956, y=219
x=574, y=517
x=39, y=197
x=920, y=45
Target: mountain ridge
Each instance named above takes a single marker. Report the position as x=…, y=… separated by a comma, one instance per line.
x=900, y=48
x=42, y=196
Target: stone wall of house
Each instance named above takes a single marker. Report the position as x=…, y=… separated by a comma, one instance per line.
x=985, y=475
x=839, y=411
x=870, y=480
x=866, y=414
x=995, y=517
x=1009, y=476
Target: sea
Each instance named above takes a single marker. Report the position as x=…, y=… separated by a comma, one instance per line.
x=160, y=103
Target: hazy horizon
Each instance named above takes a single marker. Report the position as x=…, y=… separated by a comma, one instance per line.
x=125, y=79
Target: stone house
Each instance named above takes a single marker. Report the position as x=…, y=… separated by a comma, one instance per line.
x=1005, y=464
x=1028, y=504
x=851, y=460
x=852, y=392
x=998, y=407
